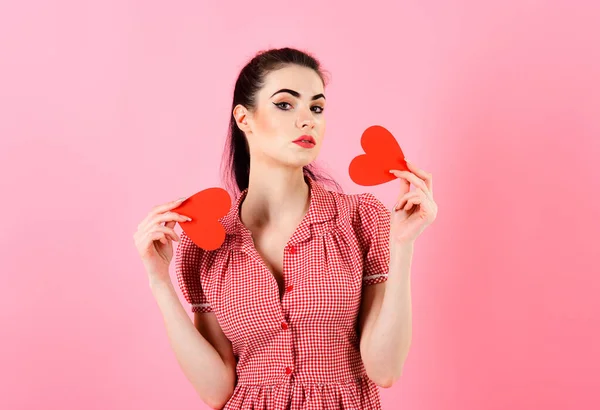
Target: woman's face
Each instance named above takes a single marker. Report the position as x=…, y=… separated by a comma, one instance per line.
x=282, y=117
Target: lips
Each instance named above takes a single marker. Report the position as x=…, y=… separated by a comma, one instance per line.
x=306, y=139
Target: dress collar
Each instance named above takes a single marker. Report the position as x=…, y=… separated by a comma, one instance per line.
x=321, y=208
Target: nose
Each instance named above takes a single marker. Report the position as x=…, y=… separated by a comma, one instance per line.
x=305, y=118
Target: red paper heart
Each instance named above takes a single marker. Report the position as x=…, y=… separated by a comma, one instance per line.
x=382, y=154
x=205, y=208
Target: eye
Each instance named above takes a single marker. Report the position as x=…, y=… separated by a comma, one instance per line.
x=280, y=105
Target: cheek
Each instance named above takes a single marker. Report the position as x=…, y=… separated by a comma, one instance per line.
x=269, y=124
x=321, y=128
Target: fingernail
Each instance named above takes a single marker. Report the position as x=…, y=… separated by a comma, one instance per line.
x=181, y=199
x=188, y=218
x=407, y=160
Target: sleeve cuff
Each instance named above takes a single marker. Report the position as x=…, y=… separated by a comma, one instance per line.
x=201, y=307
x=374, y=279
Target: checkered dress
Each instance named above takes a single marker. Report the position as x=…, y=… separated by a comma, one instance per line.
x=300, y=351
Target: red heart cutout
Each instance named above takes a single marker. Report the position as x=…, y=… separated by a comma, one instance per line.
x=382, y=154
x=205, y=208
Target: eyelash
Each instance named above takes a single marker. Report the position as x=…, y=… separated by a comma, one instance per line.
x=318, y=106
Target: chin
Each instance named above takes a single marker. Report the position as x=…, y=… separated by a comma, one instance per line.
x=304, y=160
x=297, y=162
x=297, y=159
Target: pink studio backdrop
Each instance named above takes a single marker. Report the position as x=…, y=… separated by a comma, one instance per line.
x=108, y=108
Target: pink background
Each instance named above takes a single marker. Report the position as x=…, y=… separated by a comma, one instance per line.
x=108, y=108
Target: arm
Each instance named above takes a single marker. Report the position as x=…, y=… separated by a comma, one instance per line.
x=385, y=317
x=385, y=322
x=389, y=316
x=202, y=350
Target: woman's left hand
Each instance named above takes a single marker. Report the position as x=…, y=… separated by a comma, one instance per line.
x=416, y=209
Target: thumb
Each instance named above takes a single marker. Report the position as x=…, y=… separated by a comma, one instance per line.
x=404, y=187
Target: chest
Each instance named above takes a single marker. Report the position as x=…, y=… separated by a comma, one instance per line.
x=315, y=284
x=270, y=248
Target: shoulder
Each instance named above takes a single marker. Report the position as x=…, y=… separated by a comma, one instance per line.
x=187, y=249
x=357, y=206
x=188, y=254
x=361, y=217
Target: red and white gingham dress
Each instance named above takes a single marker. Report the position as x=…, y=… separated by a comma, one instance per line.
x=301, y=351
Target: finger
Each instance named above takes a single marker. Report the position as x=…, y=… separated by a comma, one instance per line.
x=170, y=224
x=146, y=244
x=164, y=207
x=424, y=175
x=146, y=247
x=404, y=184
x=415, y=180
x=169, y=232
x=413, y=201
x=167, y=217
x=156, y=236
x=147, y=223
x=402, y=201
x=409, y=176
x=416, y=200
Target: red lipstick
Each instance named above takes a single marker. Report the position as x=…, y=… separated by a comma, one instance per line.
x=305, y=141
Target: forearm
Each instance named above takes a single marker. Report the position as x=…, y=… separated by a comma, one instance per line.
x=198, y=359
x=392, y=331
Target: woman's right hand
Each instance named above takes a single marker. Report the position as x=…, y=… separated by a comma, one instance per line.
x=153, y=239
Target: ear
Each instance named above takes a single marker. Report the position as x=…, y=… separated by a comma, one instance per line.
x=241, y=115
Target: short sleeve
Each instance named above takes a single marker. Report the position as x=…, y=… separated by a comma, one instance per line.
x=188, y=262
x=373, y=233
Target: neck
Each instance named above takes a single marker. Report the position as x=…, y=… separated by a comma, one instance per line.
x=275, y=196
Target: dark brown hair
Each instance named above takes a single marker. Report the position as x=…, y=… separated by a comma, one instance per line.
x=236, y=159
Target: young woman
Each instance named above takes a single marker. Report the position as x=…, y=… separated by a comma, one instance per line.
x=306, y=305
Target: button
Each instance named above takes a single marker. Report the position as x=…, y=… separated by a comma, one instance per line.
x=288, y=370
x=289, y=288
x=292, y=249
x=284, y=326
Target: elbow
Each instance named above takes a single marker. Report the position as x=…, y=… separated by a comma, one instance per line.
x=384, y=372
x=217, y=402
x=219, y=397
x=215, y=405
x=386, y=379
x=391, y=375
x=387, y=382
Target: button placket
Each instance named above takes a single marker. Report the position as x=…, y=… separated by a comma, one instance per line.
x=291, y=250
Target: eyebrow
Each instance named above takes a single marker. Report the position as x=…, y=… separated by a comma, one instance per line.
x=296, y=93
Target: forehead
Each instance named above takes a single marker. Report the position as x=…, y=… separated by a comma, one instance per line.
x=302, y=79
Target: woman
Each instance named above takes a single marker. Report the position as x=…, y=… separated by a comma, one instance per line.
x=306, y=304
